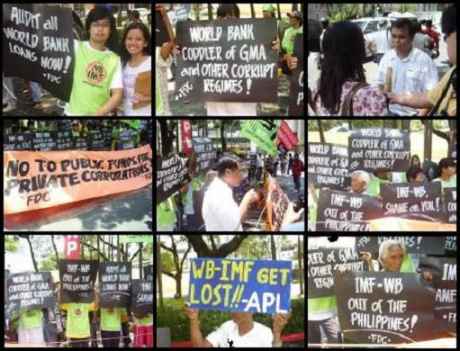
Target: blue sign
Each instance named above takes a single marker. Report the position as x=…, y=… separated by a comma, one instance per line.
x=240, y=285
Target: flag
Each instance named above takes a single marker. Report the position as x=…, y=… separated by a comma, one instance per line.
x=287, y=138
x=262, y=133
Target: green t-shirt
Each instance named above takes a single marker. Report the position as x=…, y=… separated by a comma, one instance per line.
x=148, y=320
x=111, y=319
x=288, y=39
x=166, y=212
x=93, y=74
x=78, y=324
x=31, y=319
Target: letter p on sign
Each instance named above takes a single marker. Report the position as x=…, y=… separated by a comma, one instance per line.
x=72, y=247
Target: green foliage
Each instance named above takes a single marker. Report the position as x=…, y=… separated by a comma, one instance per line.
x=174, y=318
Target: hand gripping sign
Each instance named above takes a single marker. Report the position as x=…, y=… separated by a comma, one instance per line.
x=240, y=285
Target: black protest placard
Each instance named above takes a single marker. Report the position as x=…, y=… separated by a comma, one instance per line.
x=142, y=297
x=115, y=284
x=342, y=211
x=296, y=90
x=450, y=204
x=328, y=165
x=206, y=153
x=171, y=176
x=27, y=291
x=412, y=200
x=64, y=140
x=450, y=245
x=18, y=141
x=384, y=307
x=148, y=272
x=38, y=46
x=379, y=148
x=77, y=280
x=322, y=265
x=445, y=309
x=428, y=245
x=161, y=32
x=229, y=60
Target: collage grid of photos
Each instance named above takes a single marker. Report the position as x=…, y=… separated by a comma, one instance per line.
x=393, y=176
x=84, y=247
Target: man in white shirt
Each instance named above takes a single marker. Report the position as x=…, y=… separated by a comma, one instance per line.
x=241, y=331
x=220, y=211
x=413, y=71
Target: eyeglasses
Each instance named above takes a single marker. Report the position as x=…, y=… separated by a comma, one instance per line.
x=104, y=24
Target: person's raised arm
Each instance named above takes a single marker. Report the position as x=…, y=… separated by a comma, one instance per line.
x=195, y=331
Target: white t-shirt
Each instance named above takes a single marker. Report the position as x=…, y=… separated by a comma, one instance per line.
x=415, y=73
x=220, y=211
x=129, y=81
x=258, y=336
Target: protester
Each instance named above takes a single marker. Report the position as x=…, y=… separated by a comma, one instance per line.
x=111, y=326
x=393, y=257
x=359, y=182
x=240, y=331
x=220, y=211
x=30, y=327
x=136, y=59
x=143, y=330
x=409, y=69
x=97, y=88
x=441, y=99
x=297, y=168
x=447, y=173
x=342, y=88
x=415, y=175
x=78, y=323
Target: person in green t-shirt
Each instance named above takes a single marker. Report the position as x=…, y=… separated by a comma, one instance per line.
x=97, y=88
x=111, y=326
x=78, y=323
x=30, y=327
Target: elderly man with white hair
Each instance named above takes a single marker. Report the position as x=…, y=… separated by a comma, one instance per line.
x=359, y=182
x=393, y=257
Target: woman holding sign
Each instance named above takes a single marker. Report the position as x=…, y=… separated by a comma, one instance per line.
x=137, y=70
x=97, y=88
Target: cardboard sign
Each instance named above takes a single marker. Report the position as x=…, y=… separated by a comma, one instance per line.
x=450, y=245
x=240, y=285
x=115, y=284
x=277, y=205
x=428, y=245
x=227, y=60
x=263, y=133
x=142, y=297
x=171, y=176
x=77, y=280
x=136, y=239
x=384, y=307
x=445, y=309
x=450, y=204
x=422, y=200
x=341, y=211
x=28, y=291
x=379, y=148
x=36, y=180
x=322, y=265
x=38, y=46
x=328, y=165
x=296, y=88
x=206, y=153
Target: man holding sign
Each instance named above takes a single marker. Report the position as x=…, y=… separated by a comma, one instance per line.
x=242, y=287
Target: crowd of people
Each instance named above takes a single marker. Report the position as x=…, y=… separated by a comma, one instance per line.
x=393, y=256
x=407, y=81
x=105, y=90
x=369, y=183
x=221, y=198
x=80, y=325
